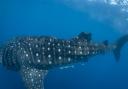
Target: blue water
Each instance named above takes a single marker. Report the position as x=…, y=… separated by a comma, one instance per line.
x=52, y=17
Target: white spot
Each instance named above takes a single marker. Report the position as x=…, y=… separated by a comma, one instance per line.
x=30, y=74
x=69, y=59
x=18, y=43
x=50, y=62
x=38, y=60
x=88, y=52
x=53, y=44
x=69, y=51
x=59, y=50
x=24, y=51
x=50, y=39
x=27, y=68
x=37, y=54
x=49, y=43
x=77, y=37
x=49, y=56
x=29, y=62
x=58, y=44
x=39, y=75
x=43, y=48
x=69, y=46
x=36, y=46
x=75, y=51
x=79, y=47
x=48, y=48
x=60, y=57
x=32, y=80
x=81, y=52
x=29, y=44
x=26, y=55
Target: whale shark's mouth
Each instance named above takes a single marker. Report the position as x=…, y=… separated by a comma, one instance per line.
x=113, y=12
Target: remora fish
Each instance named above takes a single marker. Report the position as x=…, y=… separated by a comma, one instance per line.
x=33, y=56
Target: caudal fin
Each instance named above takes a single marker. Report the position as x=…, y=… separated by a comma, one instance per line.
x=118, y=46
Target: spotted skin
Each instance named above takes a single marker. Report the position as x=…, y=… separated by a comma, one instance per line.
x=33, y=56
x=33, y=78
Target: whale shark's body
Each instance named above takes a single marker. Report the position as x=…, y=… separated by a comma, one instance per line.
x=33, y=56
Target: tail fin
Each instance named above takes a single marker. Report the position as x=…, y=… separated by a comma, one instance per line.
x=119, y=44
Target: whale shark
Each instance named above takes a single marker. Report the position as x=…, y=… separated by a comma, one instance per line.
x=34, y=56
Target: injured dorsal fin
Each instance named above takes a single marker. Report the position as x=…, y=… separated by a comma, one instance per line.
x=105, y=42
x=84, y=36
x=33, y=78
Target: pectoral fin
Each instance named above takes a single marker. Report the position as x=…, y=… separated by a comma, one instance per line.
x=33, y=78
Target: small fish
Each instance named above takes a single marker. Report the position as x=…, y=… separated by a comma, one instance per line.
x=34, y=56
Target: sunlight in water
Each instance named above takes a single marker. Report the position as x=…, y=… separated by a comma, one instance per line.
x=114, y=12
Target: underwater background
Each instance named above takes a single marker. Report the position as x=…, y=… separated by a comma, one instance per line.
x=105, y=19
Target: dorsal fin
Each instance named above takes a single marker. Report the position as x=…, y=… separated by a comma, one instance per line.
x=84, y=36
x=105, y=42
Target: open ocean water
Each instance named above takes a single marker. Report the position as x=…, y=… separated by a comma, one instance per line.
x=105, y=19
